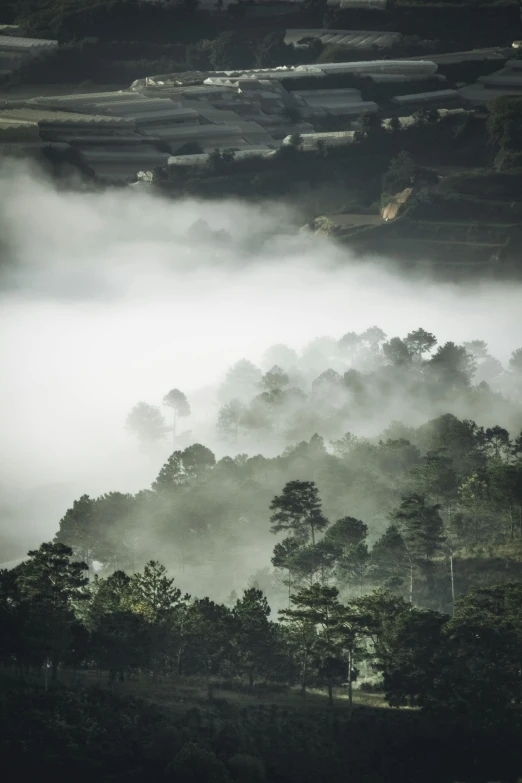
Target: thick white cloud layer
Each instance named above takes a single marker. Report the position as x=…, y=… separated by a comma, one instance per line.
x=111, y=298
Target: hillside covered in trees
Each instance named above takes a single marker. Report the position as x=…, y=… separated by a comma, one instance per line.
x=319, y=580
x=336, y=571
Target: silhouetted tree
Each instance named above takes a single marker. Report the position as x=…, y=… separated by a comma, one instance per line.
x=177, y=402
x=298, y=509
x=147, y=423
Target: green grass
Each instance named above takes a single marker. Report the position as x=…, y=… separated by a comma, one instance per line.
x=180, y=695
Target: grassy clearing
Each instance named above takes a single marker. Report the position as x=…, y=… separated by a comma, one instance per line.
x=184, y=694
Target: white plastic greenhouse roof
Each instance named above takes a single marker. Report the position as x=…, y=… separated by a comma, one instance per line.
x=345, y=92
x=228, y=78
x=85, y=99
x=49, y=117
x=373, y=66
x=14, y=42
x=472, y=55
x=426, y=97
x=201, y=158
x=138, y=104
x=337, y=99
x=377, y=5
x=355, y=39
x=12, y=131
x=198, y=159
x=479, y=93
x=333, y=139
x=124, y=154
x=504, y=78
x=403, y=78
x=513, y=65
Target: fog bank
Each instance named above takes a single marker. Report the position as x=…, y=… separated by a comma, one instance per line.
x=111, y=298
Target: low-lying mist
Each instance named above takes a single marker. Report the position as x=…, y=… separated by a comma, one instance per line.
x=113, y=297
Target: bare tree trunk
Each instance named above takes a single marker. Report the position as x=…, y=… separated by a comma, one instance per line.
x=350, y=684
x=180, y=651
x=411, y=583
x=305, y=672
x=330, y=693
x=452, y=576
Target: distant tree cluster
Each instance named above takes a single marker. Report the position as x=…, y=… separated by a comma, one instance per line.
x=148, y=423
x=334, y=384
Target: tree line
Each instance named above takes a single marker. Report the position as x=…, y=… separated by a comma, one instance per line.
x=410, y=606
x=417, y=511
x=335, y=384
x=467, y=665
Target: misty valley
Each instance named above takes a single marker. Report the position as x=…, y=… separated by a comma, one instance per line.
x=360, y=589
x=261, y=391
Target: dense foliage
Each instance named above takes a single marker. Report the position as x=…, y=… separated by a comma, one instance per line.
x=387, y=554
